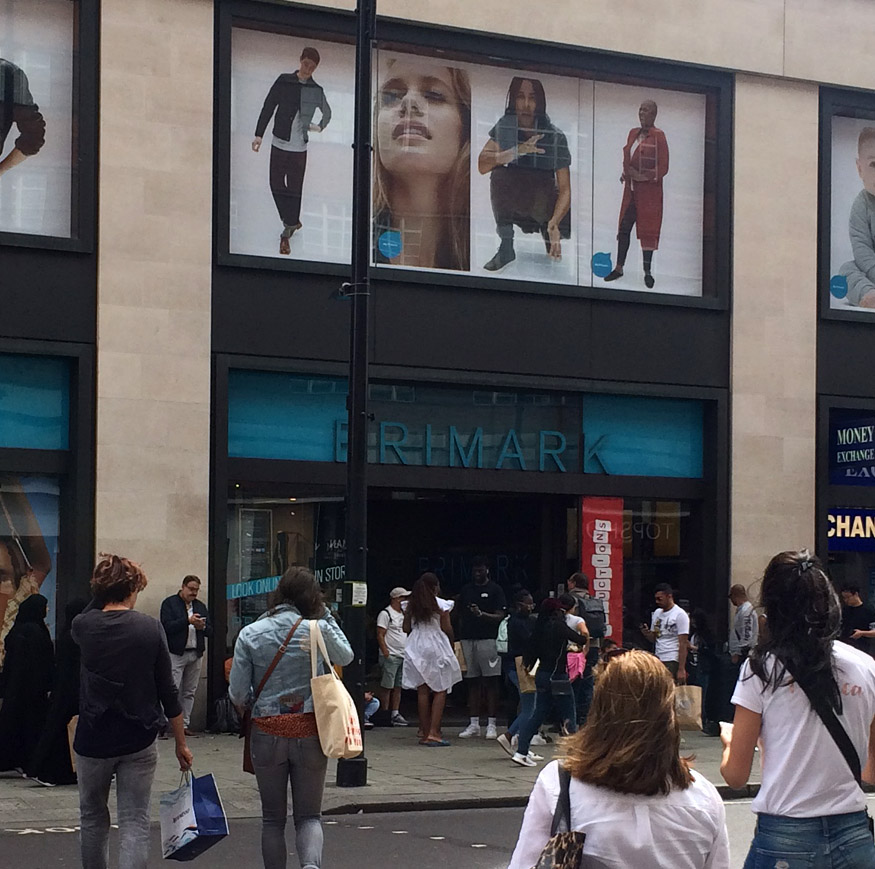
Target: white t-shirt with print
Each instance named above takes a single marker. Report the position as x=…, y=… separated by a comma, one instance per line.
x=804, y=773
x=393, y=622
x=668, y=625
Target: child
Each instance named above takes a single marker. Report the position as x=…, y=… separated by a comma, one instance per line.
x=860, y=272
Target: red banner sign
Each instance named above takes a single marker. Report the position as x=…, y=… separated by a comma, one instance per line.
x=601, y=559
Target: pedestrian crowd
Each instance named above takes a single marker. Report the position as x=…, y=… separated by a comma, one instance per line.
x=800, y=676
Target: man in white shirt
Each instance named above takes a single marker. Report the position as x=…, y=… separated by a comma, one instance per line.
x=745, y=627
x=670, y=632
x=392, y=640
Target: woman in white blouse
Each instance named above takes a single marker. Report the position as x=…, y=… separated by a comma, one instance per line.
x=635, y=798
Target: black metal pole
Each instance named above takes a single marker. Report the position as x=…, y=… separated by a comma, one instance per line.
x=354, y=772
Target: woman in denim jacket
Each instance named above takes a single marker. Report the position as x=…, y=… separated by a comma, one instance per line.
x=285, y=743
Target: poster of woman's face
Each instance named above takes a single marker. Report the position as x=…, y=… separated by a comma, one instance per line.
x=648, y=170
x=36, y=117
x=292, y=114
x=525, y=183
x=852, y=214
x=422, y=163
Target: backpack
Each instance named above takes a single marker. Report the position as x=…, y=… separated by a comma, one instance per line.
x=592, y=611
x=225, y=716
x=501, y=639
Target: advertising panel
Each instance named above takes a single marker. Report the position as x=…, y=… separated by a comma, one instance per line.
x=601, y=557
x=36, y=117
x=29, y=508
x=481, y=170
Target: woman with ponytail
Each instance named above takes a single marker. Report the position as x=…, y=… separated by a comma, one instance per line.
x=810, y=808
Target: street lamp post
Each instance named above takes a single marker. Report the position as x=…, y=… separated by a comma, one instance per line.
x=354, y=772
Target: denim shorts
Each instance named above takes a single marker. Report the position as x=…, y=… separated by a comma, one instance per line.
x=829, y=842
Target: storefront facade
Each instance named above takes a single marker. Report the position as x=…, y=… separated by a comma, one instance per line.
x=199, y=379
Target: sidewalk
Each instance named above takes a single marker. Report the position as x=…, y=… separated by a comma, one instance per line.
x=401, y=775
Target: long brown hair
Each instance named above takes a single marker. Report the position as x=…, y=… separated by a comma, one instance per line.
x=631, y=739
x=299, y=587
x=423, y=598
x=456, y=234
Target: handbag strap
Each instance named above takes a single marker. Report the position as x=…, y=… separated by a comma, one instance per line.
x=276, y=659
x=562, y=815
x=834, y=726
x=317, y=640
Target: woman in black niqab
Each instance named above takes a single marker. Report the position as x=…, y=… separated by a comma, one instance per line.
x=51, y=762
x=26, y=683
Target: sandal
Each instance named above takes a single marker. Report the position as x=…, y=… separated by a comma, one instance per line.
x=435, y=743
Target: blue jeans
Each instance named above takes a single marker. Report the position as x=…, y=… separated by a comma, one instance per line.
x=527, y=702
x=544, y=699
x=279, y=761
x=583, y=697
x=133, y=776
x=830, y=842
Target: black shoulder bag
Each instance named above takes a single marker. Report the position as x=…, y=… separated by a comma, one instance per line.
x=838, y=733
x=565, y=846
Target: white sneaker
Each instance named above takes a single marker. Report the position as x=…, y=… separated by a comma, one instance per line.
x=523, y=759
x=398, y=720
x=491, y=732
x=537, y=739
x=515, y=741
x=506, y=744
x=469, y=731
x=532, y=756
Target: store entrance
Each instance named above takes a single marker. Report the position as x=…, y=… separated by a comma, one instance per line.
x=523, y=538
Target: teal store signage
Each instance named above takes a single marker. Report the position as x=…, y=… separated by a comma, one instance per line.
x=274, y=415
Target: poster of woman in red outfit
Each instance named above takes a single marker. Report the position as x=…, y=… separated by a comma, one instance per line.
x=660, y=169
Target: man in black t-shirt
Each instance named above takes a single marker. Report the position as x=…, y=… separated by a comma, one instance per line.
x=858, y=619
x=481, y=608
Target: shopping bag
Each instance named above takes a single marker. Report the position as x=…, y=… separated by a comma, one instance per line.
x=688, y=706
x=460, y=656
x=526, y=680
x=337, y=719
x=192, y=818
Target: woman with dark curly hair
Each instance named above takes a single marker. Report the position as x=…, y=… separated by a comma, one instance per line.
x=285, y=741
x=810, y=808
x=638, y=802
x=125, y=682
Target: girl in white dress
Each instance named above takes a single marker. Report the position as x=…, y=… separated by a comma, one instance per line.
x=430, y=665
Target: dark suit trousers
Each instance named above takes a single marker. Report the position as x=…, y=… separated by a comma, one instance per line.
x=286, y=183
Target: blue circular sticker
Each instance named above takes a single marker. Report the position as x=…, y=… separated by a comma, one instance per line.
x=389, y=244
x=601, y=264
x=838, y=286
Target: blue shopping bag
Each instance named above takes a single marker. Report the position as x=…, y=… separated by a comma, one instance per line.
x=192, y=818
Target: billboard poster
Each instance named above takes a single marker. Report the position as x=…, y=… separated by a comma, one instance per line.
x=601, y=557
x=29, y=510
x=852, y=209
x=482, y=170
x=851, y=448
x=36, y=117
x=292, y=113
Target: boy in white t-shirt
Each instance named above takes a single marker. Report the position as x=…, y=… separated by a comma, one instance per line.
x=392, y=640
x=669, y=631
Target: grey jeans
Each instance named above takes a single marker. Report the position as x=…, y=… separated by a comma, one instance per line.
x=277, y=762
x=134, y=774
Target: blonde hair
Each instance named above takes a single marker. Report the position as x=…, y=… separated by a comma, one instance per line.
x=631, y=740
x=454, y=245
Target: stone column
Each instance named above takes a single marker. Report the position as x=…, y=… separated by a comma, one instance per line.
x=155, y=248
x=774, y=322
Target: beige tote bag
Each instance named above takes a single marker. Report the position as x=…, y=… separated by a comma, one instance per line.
x=688, y=706
x=337, y=720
